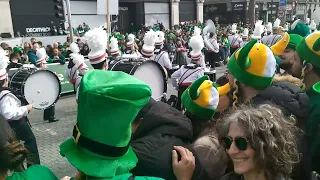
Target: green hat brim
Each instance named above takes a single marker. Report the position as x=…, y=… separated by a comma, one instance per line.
x=295, y=39
x=246, y=78
x=194, y=108
x=93, y=165
x=307, y=55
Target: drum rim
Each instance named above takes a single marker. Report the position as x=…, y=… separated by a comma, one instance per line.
x=135, y=67
x=23, y=85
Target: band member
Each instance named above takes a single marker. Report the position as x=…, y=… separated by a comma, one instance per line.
x=313, y=26
x=186, y=75
x=234, y=39
x=212, y=50
x=16, y=114
x=40, y=63
x=114, y=50
x=275, y=37
x=147, y=50
x=267, y=34
x=161, y=56
x=132, y=47
x=245, y=37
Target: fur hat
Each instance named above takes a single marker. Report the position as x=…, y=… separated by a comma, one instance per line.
x=234, y=28
x=42, y=56
x=97, y=40
x=201, y=98
x=299, y=28
x=4, y=61
x=160, y=38
x=276, y=24
x=197, y=44
x=258, y=30
x=114, y=47
x=309, y=49
x=131, y=39
x=149, y=41
x=255, y=64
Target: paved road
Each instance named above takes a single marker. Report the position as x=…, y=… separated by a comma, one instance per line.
x=50, y=135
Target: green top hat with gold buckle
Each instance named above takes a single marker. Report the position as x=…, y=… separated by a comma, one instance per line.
x=100, y=145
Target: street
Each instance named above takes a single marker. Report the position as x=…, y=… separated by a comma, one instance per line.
x=50, y=135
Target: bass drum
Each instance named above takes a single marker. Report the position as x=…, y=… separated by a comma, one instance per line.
x=148, y=71
x=41, y=88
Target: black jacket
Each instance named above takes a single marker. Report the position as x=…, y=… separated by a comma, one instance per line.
x=161, y=128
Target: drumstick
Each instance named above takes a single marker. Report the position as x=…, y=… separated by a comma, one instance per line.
x=38, y=92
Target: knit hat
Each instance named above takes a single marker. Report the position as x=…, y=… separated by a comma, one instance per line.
x=149, y=41
x=4, y=61
x=131, y=39
x=276, y=24
x=42, y=56
x=255, y=64
x=234, y=28
x=197, y=44
x=76, y=64
x=97, y=40
x=295, y=39
x=201, y=98
x=114, y=48
x=299, y=28
x=309, y=49
x=100, y=144
x=160, y=38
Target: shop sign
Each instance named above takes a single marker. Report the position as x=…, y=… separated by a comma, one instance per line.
x=214, y=8
x=38, y=31
x=238, y=6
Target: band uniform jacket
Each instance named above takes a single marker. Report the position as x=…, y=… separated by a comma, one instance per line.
x=163, y=59
x=234, y=41
x=214, y=44
x=186, y=75
x=265, y=39
x=273, y=39
x=10, y=106
x=243, y=43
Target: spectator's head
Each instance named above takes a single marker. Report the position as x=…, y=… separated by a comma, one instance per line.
x=55, y=45
x=40, y=44
x=4, y=45
x=35, y=46
x=33, y=40
x=56, y=52
x=260, y=141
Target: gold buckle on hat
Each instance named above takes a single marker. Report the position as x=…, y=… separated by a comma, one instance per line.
x=78, y=135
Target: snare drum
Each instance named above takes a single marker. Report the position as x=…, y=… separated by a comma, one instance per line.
x=41, y=88
x=148, y=71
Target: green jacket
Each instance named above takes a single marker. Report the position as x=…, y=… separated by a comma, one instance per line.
x=127, y=176
x=313, y=125
x=35, y=172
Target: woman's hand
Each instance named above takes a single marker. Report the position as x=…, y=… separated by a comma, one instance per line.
x=183, y=169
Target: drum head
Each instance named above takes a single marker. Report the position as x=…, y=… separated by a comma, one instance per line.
x=152, y=74
x=42, y=89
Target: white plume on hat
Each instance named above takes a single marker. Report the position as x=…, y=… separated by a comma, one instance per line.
x=313, y=25
x=276, y=23
x=160, y=37
x=234, y=28
x=308, y=21
x=197, y=44
x=294, y=24
x=269, y=27
x=4, y=61
x=97, y=40
x=245, y=32
x=74, y=48
x=131, y=38
x=286, y=27
x=42, y=55
x=196, y=31
x=258, y=30
x=149, y=40
x=114, y=48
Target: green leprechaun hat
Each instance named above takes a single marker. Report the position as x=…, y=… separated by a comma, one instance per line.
x=201, y=98
x=299, y=28
x=100, y=145
x=309, y=49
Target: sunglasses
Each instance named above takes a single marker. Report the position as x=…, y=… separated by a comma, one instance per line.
x=240, y=142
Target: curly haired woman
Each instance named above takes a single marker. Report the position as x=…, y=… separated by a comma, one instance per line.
x=261, y=143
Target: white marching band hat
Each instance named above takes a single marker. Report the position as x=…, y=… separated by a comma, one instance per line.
x=258, y=30
x=97, y=40
x=79, y=64
x=160, y=38
x=245, y=33
x=197, y=44
x=4, y=61
x=149, y=42
x=42, y=56
x=114, y=48
x=131, y=38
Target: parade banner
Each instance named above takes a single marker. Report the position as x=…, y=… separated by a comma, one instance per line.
x=59, y=70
